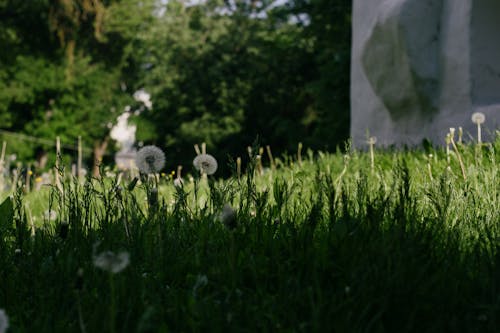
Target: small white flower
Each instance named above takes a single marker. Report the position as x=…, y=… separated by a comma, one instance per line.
x=478, y=118
x=50, y=215
x=205, y=163
x=150, y=159
x=111, y=262
x=201, y=281
x=4, y=321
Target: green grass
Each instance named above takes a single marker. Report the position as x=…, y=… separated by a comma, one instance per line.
x=330, y=245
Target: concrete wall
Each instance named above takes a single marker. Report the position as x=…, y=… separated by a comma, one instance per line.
x=422, y=66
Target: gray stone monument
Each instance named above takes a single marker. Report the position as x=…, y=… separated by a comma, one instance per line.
x=420, y=67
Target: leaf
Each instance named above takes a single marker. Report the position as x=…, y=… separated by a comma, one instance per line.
x=6, y=214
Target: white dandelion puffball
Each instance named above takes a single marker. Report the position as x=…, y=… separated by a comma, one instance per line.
x=478, y=118
x=111, y=262
x=205, y=163
x=150, y=159
x=228, y=216
x=4, y=321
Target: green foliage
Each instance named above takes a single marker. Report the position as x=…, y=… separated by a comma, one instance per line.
x=226, y=79
x=68, y=81
x=6, y=216
x=219, y=72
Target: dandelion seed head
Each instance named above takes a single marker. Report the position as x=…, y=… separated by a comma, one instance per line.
x=205, y=163
x=150, y=159
x=4, y=321
x=228, y=216
x=111, y=262
x=478, y=118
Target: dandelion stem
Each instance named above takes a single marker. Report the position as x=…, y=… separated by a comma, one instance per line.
x=429, y=167
x=270, y=155
x=479, y=140
x=112, y=310
x=259, y=164
x=371, y=141
x=79, y=161
x=197, y=149
x=372, y=157
x=238, y=167
x=299, y=154
x=459, y=157
x=81, y=323
x=448, y=141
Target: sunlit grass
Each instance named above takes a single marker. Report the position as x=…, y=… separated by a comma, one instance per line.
x=395, y=241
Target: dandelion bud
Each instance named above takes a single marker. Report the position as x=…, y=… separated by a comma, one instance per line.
x=448, y=138
x=178, y=182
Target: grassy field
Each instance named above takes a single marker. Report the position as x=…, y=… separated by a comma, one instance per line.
x=406, y=242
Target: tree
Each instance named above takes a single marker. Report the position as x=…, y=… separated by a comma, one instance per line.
x=68, y=79
x=220, y=75
x=328, y=26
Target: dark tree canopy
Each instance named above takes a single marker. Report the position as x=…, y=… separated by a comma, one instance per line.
x=221, y=72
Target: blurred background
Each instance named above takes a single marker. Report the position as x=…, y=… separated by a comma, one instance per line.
x=125, y=73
